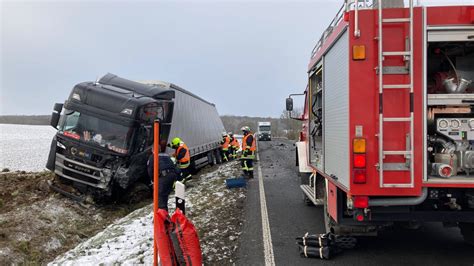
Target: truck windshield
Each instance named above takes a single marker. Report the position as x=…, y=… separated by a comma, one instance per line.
x=95, y=131
x=264, y=128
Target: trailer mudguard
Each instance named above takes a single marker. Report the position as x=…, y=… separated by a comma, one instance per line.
x=188, y=249
x=163, y=242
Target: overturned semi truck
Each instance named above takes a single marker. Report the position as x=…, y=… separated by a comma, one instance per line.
x=105, y=133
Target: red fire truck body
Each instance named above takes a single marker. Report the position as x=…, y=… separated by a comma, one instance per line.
x=388, y=122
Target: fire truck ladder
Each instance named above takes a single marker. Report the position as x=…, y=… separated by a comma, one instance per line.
x=408, y=56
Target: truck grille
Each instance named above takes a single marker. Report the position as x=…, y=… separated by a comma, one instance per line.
x=80, y=172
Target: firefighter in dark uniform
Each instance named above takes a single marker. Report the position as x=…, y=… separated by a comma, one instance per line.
x=183, y=158
x=248, y=152
x=167, y=176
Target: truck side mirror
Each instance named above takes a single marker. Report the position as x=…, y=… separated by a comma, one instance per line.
x=58, y=107
x=289, y=104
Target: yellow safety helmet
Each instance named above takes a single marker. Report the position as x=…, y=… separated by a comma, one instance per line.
x=175, y=142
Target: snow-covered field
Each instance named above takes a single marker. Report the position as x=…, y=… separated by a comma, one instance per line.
x=215, y=210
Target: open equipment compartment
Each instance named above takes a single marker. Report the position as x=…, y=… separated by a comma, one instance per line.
x=450, y=103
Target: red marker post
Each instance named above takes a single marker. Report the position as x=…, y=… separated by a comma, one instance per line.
x=156, y=152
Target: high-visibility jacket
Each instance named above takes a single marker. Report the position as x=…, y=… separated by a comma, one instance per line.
x=182, y=155
x=235, y=143
x=248, y=143
x=225, y=143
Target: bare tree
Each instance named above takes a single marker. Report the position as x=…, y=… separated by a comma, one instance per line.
x=292, y=127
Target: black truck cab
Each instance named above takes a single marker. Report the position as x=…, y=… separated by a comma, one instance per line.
x=105, y=133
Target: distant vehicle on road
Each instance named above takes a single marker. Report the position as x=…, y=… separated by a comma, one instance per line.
x=105, y=133
x=264, y=131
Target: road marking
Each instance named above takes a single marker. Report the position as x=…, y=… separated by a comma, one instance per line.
x=267, y=236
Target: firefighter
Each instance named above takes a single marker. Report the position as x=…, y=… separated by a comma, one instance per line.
x=248, y=152
x=167, y=177
x=183, y=158
x=225, y=144
x=234, y=144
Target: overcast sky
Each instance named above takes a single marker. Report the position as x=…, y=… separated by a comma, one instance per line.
x=244, y=56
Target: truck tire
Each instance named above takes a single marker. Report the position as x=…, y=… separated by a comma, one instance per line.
x=218, y=156
x=211, y=158
x=137, y=193
x=467, y=231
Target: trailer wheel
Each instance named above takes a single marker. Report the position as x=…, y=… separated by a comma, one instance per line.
x=218, y=156
x=211, y=158
x=467, y=231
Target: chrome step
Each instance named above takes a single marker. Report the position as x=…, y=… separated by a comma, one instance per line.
x=396, y=20
x=404, y=53
x=396, y=86
x=396, y=152
x=397, y=119
x=309, y=191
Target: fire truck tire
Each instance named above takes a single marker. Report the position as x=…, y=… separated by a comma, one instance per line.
x=467, y=231
x=297, y=159
x=307, y=201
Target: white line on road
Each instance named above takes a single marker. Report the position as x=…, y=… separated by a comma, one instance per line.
x=267, y=235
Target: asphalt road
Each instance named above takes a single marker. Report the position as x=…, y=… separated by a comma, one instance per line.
x=289, y=217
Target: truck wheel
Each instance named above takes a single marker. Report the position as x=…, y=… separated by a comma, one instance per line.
x=138, y=193
x=218, y=157
x=211, y=158
x=467, y=231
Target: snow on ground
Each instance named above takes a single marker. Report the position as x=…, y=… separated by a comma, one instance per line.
x=215, y=210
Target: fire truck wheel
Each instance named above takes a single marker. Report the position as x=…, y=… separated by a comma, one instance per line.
x=467, y=231
x=307, y=201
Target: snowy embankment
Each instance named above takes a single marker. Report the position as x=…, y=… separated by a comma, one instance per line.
x=215, y=210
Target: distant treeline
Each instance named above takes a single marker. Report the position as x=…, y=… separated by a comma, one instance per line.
x=280, y=126
x=25, y=119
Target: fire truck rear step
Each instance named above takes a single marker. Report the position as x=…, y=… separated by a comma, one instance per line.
x=309, y=192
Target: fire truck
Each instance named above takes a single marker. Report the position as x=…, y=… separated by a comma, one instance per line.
x=388, y=121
